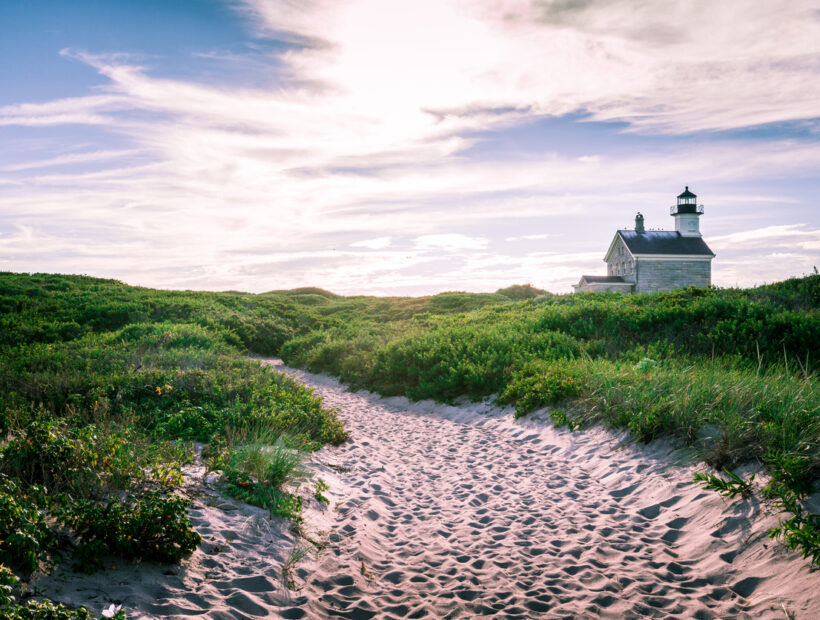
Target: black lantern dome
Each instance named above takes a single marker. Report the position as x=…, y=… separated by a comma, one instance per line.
x=687, y=203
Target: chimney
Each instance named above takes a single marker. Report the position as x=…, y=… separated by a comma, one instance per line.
x=639, y=223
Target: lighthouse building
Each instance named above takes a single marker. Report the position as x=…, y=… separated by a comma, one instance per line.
x=647, y=261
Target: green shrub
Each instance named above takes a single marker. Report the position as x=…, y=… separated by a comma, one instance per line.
x=271, y=460
x=791, y=472
x=152, y=528
x=8, y=584
x=44, y=453
x=240, y=485
x=801, y=532
x=519, y=292
x=319, y=488
x=731, y=487
x=560, y=418
x=24, y=535
x=256, y=463
x=39, y=610
x=541, y=383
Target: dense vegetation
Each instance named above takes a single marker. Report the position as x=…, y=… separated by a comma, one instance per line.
x=738, y=365
x=103, y=390
x=115, y=380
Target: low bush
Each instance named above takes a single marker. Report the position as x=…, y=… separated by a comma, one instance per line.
x=790, y=472
x=256, y=464
x=800, y=532
x=153, y=527
x=319, y=488
x=10, y=609
x=24, y=535
x=44, y=453
x=272, y=461
x=240, y=485
x=731, y=486
x=540, y=383
x=519, y=292
x=560, y=419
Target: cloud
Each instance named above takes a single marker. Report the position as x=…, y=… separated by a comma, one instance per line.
x=373, y=244
x=67, y=159
x=450, y=242
x=664, y=67
x=765, y=254
x=88, y=110
x=529, y=237
x=792, y=235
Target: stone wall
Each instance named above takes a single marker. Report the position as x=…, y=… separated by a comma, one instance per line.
x=666, y=275
x=605, y=287
x=620, y=262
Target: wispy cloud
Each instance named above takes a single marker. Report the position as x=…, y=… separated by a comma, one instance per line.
x=378, y=243
x=537, y=237
x=68, y=159
x=450, y=242
x=793, y=235
x=88, y=110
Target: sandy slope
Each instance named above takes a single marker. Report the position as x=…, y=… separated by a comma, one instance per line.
x=443, y=511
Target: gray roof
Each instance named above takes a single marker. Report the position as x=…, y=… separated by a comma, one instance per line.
x=664, y=242
x=605, y=279
x=687, y=194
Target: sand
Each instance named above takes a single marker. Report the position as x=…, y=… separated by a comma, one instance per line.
x=461, y=512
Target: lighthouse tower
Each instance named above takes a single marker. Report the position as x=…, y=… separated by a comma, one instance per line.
x=686, y=214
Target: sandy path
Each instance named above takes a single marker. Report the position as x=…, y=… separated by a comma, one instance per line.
x=461, y=512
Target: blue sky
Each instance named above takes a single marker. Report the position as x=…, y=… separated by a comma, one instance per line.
x=380, y=147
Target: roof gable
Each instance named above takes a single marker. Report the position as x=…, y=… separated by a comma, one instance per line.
x=616, y=240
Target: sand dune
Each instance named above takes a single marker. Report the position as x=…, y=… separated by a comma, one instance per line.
x=446, y=512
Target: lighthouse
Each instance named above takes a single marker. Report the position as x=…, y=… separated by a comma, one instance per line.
x=687, y=213
x=648, y=261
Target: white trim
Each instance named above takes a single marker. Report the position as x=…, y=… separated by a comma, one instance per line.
x=604, y=286
x=612, y=246
x=605, y=283
x=698, y=257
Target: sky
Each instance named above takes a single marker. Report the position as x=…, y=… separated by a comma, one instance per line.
x=387, y=147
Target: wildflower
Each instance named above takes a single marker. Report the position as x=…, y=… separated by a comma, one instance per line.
x=111, y=611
